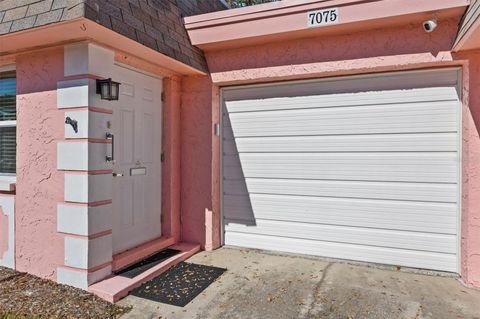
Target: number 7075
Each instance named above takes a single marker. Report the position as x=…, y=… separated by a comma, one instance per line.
x=322, y=17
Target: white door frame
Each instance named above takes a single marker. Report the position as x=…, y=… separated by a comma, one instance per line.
x=160, y=115
x=459, y=69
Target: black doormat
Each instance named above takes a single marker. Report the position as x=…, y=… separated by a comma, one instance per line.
x=144, y=265
x=180, y=284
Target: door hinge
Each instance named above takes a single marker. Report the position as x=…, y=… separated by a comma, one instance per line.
x=163, y=97
x=162, y=158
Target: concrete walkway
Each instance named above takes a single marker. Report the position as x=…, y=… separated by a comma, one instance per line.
x=261, y=285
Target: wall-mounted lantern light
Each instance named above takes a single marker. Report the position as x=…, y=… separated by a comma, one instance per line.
x=108, y=89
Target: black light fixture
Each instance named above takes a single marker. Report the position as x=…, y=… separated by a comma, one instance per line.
x=108, y=89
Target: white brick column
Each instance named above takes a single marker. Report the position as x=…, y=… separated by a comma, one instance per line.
x=85, y=215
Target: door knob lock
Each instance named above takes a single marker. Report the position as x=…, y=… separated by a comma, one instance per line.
x=111, y=137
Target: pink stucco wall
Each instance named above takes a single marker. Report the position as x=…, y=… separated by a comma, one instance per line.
x=379, y=50
x=471, y=170
x=39, y=248
x=192, y=171
x=200, y=195
x=403, y=48
x=196, y=168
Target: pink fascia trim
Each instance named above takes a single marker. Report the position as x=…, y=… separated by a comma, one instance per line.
x=100, y=203
x=392, y=8
x=101, y=172
x=92, y=204
x=90, y=270
x=90, y=237
x=90, y=139
x=81, y=77
x=277, y=20
x=95, y=172
x=334, y=68
x=99, y=140
x=470, y=40
x=90, y=108
x=263, y=10
x=100, y=110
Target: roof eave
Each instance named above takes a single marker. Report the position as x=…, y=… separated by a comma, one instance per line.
x=83, y=29
x=279, y=21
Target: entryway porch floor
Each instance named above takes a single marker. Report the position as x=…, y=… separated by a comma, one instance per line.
x=114, y=288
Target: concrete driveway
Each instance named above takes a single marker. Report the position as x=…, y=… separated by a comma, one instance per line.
x=262, y=285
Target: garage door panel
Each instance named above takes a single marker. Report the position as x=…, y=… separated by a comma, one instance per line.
x=406, y=167
x=365, y=83
x=437, y=142
x=399, y=215
x=438, y=94
x=445, y=193
x=440, y=117
x=400, y=257
x=350, y=235
x=350, y=171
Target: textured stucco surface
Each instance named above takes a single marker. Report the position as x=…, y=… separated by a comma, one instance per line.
x=372, y=51
x=196, y=157
x=407, y=47
x=471, y=170
x=39, y=248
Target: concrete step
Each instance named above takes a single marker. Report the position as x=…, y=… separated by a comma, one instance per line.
x=117, y=287
x=131, y=256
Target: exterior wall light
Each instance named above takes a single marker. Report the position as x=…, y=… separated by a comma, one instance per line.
x=108, y=89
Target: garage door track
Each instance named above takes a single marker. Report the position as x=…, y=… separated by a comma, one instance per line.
x=264, y=285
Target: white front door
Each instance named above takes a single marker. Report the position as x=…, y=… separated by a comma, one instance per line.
x=137, y=129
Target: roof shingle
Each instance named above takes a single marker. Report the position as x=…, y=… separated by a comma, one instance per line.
x=157, y=24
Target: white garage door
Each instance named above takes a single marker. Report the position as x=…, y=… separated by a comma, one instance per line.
x=360, y=168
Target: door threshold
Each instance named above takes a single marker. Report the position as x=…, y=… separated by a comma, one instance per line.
x=133, y=255
x=140, y=267
x=114, y=288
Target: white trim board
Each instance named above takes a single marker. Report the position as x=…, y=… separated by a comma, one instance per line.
x=7, y=68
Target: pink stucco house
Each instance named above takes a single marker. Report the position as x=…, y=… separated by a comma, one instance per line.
x=341, y=128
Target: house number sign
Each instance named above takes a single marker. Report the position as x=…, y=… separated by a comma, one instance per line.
x=322, y=18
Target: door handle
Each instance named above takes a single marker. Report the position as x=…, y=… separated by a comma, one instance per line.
x=110, y=136
x=117, y=175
